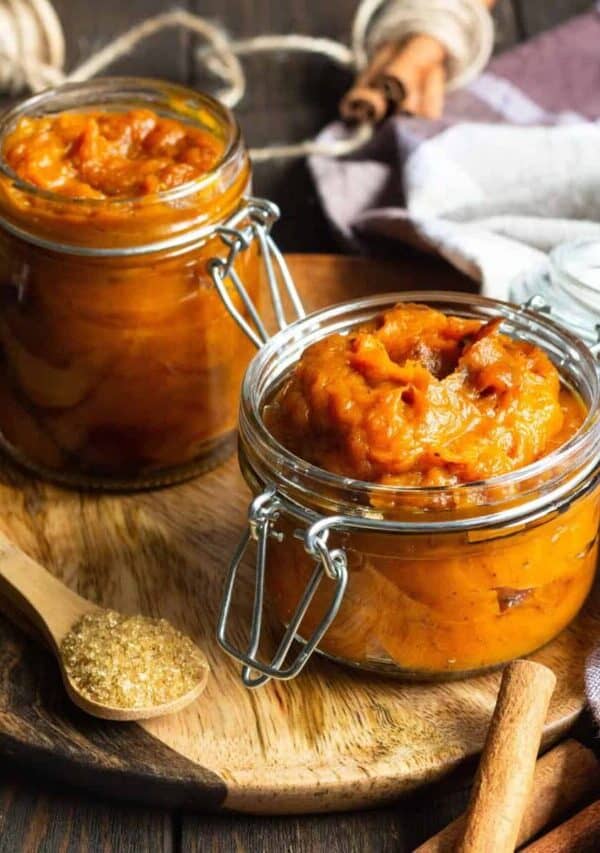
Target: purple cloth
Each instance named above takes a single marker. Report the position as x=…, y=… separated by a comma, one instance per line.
x=512, y=169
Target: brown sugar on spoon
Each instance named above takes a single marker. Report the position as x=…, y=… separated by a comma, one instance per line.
x=130, y=661
x=113, y=666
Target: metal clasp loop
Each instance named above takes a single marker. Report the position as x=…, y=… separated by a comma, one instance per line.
x=254, y=222
x=538, y=303
x=262, y=517
x=595, y=347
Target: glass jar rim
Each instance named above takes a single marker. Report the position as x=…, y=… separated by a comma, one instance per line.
x=121, y=88
x=283, y=468
x=560, y=259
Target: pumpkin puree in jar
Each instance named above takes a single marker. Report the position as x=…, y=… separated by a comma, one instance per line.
x=118, y=366
x=101, y=155
x=420, y=399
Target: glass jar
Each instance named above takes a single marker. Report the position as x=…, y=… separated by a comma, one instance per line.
x=566, y=286
x=121, y=364
x=423, y=583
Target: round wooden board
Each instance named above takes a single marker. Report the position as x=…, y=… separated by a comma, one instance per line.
x=333, y=739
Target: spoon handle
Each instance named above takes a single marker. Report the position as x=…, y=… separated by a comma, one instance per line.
x=29, y=588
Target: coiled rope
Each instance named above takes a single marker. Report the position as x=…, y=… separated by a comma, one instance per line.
x=32, y=50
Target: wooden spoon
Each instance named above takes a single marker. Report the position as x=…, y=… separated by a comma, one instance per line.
x=54, y=609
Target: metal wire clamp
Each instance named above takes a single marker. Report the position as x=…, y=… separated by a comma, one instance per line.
x=262, y=518
x=540, y=305
x=254, y=222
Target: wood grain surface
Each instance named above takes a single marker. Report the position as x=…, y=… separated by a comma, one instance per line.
x=35, y=819
x=73, y=821
x=332, y=739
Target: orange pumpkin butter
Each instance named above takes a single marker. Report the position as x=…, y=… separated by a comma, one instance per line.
x=418, y=399
x=125, y=364
x=99, y=155
x=422, y=399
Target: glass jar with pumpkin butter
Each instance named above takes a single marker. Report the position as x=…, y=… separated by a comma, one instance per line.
x=426, y=481
x=121, y=365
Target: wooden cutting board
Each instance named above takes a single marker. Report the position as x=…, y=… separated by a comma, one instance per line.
x=333, y=739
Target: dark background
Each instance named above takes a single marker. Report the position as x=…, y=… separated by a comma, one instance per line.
x=287, y=100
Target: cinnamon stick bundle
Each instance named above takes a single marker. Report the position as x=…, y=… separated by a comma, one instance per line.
x=364, y=102
x=505, y=775
x=580, y=834
x=407, y=76
x=562, y=777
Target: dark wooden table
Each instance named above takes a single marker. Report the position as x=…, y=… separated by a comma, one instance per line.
x=288, y=99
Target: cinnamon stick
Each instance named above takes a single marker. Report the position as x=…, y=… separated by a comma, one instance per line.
x=580, y=834
x=562, y=777
x=505, y=774
x=401, y=77
x=432, y=102
x=363, y=102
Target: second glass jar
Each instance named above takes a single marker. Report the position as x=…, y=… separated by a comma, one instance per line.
x=418, y=582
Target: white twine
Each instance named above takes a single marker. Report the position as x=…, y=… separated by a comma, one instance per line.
x=32, y=50
x=32, y=45
x=464, y=27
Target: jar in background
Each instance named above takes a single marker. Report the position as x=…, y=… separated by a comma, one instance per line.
x=423, y=583
x=566, y=286
x=121, y=366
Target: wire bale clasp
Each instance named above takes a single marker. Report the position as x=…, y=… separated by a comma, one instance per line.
x=254, y=222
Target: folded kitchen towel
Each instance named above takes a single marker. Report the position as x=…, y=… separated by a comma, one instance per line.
x=512, y=169
x=592, y=682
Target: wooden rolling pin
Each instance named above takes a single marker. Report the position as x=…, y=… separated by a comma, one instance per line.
x=505, y=774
